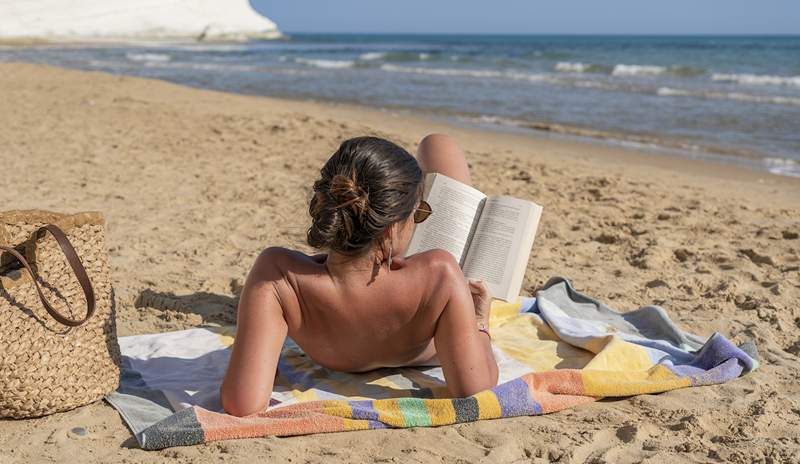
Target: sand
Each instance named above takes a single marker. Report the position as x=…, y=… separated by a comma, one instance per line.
x=195, y=183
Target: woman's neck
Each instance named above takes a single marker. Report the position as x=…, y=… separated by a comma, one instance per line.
x=342, y=267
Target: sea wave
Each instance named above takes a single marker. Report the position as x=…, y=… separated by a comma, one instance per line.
x=777, y=100
x=326, y=64
x=577, y=67
x=638, y=70
x=371, y=56
x=453, y=72
x=757, y=79
x=398, y=56
x=782, y=166
x=149, y=57
x=627, y=69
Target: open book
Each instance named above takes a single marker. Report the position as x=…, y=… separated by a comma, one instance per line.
x=490, y=237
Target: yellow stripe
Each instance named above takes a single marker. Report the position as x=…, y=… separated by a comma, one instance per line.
x=308, y=395
x=502, y=311
x=355, y=424
x=337, y=408
x=389, y=412
x=441, y=412
x=488, y=406
x=618, y=355
x=527, y=339
x=615, y=383
x=386, y=381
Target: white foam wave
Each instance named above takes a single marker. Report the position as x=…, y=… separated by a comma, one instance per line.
x=212, y=47
x=424, y=56
x=149, y=57
x=372, y=56
x=326, y=64
x=670, y=92
x=777, y=100
x=757, y=79
x=452, y=72
x=596, y=85
x=565, y=66
x=782, y=166
x=637, y=70
x=110, y=64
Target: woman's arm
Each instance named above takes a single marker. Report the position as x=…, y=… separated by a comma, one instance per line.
x=464, y=352
x=260, y=332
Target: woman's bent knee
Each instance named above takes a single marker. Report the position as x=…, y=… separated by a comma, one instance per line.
x=440, y=153
x=436, y=141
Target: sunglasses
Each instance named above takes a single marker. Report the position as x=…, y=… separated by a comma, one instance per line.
x=422, y=212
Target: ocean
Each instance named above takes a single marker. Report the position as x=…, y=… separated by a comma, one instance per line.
x=725, y=98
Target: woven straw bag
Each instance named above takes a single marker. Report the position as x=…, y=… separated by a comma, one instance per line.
x=58, y=341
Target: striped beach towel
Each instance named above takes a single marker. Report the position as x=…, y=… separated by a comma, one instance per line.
x=556, y=351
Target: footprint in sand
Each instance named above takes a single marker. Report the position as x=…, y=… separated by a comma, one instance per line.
x=757, y=258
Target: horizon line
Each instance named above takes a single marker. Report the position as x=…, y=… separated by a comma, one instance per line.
x=607, y=34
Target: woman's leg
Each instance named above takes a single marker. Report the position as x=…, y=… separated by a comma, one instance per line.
x=440, y=153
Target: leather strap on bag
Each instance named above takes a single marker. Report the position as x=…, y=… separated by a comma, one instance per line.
x=77, y=269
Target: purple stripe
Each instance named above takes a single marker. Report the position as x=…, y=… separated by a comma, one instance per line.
x=682, y=370
x=515, y=399
x=362, y=409
x=718, y=350
x=373, y=424
x=726, y=371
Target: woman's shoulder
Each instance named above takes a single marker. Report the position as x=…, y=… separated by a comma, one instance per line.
x=278, y=261
x=434, y=261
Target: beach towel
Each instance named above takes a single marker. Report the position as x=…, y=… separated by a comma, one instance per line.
x=558, y=350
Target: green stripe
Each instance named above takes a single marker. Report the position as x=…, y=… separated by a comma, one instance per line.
x=414, y=412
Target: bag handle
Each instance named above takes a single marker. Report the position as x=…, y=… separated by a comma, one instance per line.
x=77, y=269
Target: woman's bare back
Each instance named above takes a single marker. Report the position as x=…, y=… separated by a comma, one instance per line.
x=364, y=318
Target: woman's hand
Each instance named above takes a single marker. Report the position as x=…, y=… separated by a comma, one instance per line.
x=482, y=301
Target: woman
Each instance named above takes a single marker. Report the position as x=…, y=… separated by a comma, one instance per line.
x=362, y=306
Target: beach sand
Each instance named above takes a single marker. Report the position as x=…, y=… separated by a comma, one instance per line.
x=196, y=183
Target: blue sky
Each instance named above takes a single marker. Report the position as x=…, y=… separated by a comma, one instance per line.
x=536, y=16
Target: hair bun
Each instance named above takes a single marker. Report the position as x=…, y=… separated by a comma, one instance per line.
x=348, y=194
x=365, y=187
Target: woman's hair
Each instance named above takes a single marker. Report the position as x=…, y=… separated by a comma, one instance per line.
x=366, y=186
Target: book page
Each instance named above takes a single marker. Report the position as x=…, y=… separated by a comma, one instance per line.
x=501, y=244
x=455, y=215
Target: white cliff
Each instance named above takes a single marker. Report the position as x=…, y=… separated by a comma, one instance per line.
x=86, y=20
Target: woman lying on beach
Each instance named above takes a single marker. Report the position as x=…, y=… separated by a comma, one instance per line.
x=362, y=305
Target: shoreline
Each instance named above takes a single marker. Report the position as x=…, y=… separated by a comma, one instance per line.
x=629, y=141
x=604, y=150
x=762, y=156
x=649, y=144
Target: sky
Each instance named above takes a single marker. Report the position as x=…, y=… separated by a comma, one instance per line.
x=535, y=16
